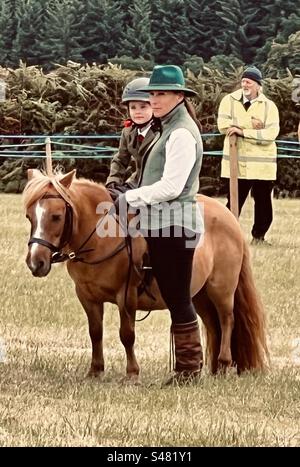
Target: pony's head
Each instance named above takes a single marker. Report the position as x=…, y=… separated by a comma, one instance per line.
x=49, y=207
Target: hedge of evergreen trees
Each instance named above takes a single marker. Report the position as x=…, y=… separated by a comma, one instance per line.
x=210, y=39
x=143, y=32
x=81, y=100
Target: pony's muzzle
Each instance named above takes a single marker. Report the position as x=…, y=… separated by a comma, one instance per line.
x=38, y=266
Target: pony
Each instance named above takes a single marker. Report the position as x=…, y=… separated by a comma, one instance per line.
x=64, y=216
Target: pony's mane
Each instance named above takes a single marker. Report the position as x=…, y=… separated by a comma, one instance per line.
x=41, y=183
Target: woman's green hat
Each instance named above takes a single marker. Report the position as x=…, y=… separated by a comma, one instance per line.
x=167, y=78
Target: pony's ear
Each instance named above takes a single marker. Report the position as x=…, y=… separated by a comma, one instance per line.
x=67, y=179
x=33, y=173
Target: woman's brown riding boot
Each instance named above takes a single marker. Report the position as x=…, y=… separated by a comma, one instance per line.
x=188, y=352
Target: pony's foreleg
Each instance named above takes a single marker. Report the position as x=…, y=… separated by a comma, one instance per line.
x=94, y=313
x=127, y=336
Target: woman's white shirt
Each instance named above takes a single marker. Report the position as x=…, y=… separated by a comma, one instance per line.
x=180, y=159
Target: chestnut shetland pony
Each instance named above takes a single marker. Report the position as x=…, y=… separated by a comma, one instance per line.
x=62, y=212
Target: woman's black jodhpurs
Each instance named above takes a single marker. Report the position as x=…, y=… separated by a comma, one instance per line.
x=171, y=260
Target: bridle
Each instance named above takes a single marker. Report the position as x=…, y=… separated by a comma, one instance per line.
x=58, y=256
x=67, y=231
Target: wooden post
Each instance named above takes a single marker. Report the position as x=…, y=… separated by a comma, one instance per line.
x=233, y=184
x=49, y=169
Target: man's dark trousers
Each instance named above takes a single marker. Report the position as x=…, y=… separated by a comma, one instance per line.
x=263, y=210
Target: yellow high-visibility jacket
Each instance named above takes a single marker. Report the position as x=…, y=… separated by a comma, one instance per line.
x=257, y=151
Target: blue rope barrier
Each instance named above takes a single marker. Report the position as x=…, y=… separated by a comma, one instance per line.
x=76, y=155
x=104, y=136
x=288, y=149
x=84, y=146
x=109, y=136
x=57, y=157
x=106, y=151
x=68, y=151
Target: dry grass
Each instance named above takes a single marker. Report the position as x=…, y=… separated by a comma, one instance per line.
x=45, y=400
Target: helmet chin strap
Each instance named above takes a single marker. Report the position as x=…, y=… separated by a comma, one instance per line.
x=142, y=125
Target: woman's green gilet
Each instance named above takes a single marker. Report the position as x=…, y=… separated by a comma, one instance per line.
x=182, y=211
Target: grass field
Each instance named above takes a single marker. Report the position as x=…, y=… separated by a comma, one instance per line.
x=46, y=400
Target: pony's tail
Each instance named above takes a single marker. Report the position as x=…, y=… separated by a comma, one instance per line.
x=249, y=344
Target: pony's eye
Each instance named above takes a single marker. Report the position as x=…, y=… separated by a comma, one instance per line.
x=55, y=217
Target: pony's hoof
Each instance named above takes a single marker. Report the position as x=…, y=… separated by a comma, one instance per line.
x=95, y=374
x=131, y=380
x=224, y=365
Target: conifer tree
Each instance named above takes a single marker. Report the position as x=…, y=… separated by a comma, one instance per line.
x=59, y=40
x=284, y=56
x=171, y=31
x=102, y=29
x=138, y=41
x=288, y=26
x=213, y=27
x=7, y=31
x=29, y=15
x=261, y=22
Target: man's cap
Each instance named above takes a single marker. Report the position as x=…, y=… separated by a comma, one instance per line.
x=167, y=78
x=253, y=73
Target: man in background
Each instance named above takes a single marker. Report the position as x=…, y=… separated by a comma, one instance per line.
x=254, y=119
